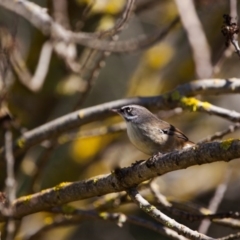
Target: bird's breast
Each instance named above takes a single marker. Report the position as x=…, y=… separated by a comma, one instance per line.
x=146, y=139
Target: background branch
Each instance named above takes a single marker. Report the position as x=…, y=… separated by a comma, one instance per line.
x=164, y=219
x=40, y=19
x=166, y=101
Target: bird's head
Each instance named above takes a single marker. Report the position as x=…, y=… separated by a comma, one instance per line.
x=133, y=113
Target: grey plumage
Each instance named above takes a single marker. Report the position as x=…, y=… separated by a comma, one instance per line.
x=151, y=134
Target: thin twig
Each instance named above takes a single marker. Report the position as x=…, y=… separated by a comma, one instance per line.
x=122, y=22
x=41, y=164
x=35, y=82
x=230, y=237
x=92, y=71
x=230, y=30
x=164, y=219
x=196, y=37
x=228, y=222
x=221, y=134
x=113, y=201
x=60, y=12
x=115, y=128
x=162, y=200
x=10, y=181
x=10, y=185
x=66, y=51
x=215, y=202
x=83, y=18
x=227, y=53
x=40, y=19
x=95, y=60
x=118, y=218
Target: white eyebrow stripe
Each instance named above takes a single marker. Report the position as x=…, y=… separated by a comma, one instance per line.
x=132, y=117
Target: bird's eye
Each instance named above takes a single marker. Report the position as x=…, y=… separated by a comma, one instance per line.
x=128, y=109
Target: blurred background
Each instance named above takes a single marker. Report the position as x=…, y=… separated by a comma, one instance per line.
x=147, y=72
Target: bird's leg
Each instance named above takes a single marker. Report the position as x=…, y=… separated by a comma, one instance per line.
x=157, y=155
x=137, y=162
x=151, y=161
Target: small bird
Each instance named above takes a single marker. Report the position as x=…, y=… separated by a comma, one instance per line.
x=150, y=134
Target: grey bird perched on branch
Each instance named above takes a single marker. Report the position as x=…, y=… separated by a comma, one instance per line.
x=150, y=134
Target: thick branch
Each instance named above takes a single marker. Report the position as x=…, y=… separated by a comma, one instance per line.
x=126, y=177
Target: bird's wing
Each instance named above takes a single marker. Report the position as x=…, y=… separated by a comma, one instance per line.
x=171, y=130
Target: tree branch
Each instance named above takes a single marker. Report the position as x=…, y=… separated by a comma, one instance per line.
x=164, y=219
x=39, y=17
x=165, y=101
x=196, y=37
x=126, y=177
x=78, y=215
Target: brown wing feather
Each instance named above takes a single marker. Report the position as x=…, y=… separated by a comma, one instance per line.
x=167, y=128
x=175, y=131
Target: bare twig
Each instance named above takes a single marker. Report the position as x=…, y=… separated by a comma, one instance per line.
x=95, y=60
x=215, y=202
x=219, y=216
x=160, y=198
x=169, y=113
x=6, y=44
x=230, y=237
x=228, y=222
x=83, y=18
x=58, y=221
x=221, y=134
x=35, y=82
x=194, y=104
x=60, y=12
x=227, y=53
x=10, y=181
x=41, y=164
x=230, y=30
x=196, y=37
x=122, y=22
x=40, y=19
x=227, y=218
x=66, y=51
x=14, y=58
x=118, y=127
x=119, y=218
x=10, y=185
x=164, y=219
x=91, y=69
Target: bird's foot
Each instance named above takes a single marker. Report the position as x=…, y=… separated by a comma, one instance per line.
x=151, y=161
x=137, y=162
x=157, y=155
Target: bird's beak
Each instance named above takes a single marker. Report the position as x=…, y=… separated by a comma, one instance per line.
x=115, y=110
